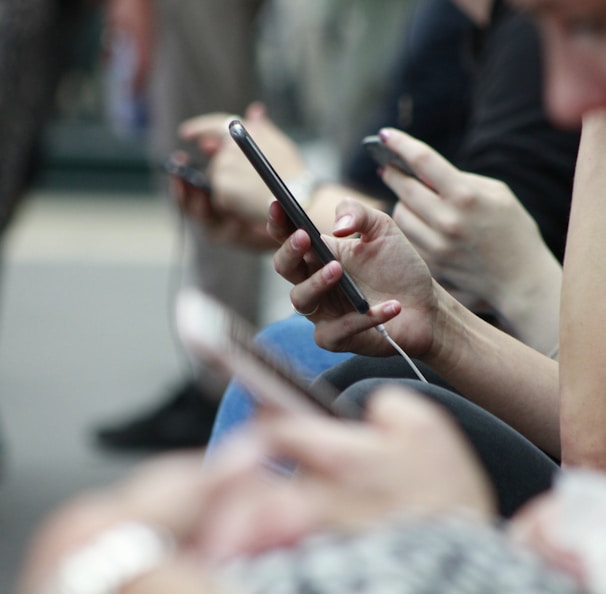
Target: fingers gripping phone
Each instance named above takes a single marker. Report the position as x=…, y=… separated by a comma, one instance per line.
x=293, y=209
x=192, y=175
x=217, y=335
x=384, y=156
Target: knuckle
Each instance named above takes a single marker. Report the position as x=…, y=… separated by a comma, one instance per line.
x=278, y=263
x=452, y=227
x=419, y=158
x=441, y=252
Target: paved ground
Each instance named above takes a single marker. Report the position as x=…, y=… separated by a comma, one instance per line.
x=84, y=337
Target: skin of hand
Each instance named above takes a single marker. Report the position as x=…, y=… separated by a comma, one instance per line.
x=493, y=369
x=222, y=227
x=148, y=495
x=388, y=271
x=237, y=187
x=135, y=17
x=239, y=191
x=408, y=456
x=475, y=235
x=533, y=527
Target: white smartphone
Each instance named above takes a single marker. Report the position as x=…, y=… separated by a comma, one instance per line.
x=213, y=333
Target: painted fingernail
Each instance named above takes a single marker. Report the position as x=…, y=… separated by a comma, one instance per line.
x=384, y=134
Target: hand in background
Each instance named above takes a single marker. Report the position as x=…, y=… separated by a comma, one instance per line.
x=408, y=457
x=222, y=227
x=475, y=235
x=237, y=187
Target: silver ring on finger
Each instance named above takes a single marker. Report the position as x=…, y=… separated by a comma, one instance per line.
x=306, y=315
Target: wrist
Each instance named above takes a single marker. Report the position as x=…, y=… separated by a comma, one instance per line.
x=446, y=331
x=303, y=187
x=531, y=304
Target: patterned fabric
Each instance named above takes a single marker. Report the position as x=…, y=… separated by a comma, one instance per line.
x=420, y=556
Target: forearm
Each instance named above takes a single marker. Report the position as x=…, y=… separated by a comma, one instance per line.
x=583, y=352
x=531, y=306
x=499, y=373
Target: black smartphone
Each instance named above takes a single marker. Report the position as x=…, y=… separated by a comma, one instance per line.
x=293, y=209
x=217, y=335
x=189, y=173
x=384, y=156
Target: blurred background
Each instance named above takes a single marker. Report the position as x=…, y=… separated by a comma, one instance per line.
x=94, y=252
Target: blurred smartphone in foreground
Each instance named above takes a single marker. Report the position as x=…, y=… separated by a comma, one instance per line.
x=188, y=173
x=225, y=342
x=293, y=209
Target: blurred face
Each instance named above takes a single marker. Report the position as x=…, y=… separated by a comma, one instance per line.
x=574, y=33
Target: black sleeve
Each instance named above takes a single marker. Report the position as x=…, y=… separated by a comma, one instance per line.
x=428, y=96
x=510, y=136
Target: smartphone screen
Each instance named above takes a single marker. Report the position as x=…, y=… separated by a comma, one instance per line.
x=293, y=209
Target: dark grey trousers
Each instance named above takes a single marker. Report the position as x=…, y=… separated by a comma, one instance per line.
x=518, y=469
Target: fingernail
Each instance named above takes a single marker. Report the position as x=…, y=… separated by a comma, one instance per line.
x=328, y=272
x=391, y=309
x=294, y=241
x=343, y=222
x=384, y=134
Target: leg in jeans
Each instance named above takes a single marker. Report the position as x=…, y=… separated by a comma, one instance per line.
x=294, y=338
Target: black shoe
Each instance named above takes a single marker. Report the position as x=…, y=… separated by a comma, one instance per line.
x=184, y=421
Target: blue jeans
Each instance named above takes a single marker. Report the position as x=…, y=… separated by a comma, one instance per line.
x=294, y=338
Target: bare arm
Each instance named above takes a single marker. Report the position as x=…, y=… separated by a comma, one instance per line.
x=503, y=375
x=582, y=337
x=498, y=372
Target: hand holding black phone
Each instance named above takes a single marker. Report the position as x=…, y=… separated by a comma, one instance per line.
x=384, y=156
x=190, y=174
x=293, y=209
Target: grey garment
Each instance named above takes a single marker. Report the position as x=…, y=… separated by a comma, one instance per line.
x=35, y=36
x=417, y=556
x=205, y=62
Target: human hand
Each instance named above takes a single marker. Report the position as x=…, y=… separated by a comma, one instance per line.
x=475, y=235
x=564, y=526
x=237, y=187
x=220, y=226
x=166, y=494
x=392, y=276
x=407, y=458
